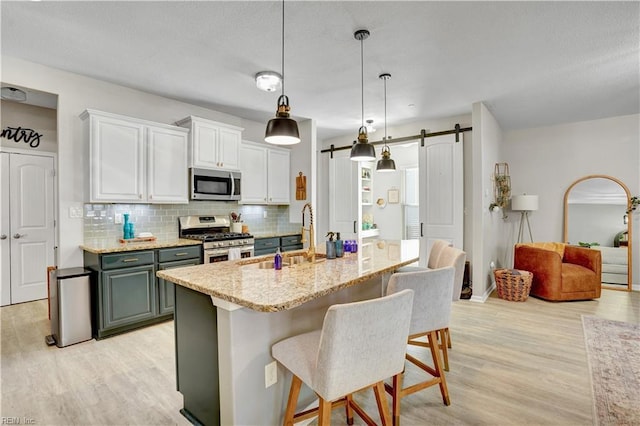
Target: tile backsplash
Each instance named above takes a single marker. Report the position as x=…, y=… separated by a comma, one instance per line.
x=162, y=219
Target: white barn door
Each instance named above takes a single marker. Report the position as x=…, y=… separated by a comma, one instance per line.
x=441, y=193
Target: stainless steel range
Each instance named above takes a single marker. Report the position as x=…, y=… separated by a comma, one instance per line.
x=219, y=244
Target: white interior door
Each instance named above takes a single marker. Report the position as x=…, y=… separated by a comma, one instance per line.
x=5, y=232
x=441, y=193
x=31, y=194
x=343, y=196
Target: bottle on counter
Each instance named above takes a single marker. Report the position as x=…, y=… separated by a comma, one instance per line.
x=330, y=246
x=277, y=260
x=339, y=246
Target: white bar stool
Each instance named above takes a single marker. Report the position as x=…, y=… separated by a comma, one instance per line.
x=360, y=345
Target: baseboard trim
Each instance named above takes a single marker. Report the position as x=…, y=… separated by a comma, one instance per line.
x=485, y=296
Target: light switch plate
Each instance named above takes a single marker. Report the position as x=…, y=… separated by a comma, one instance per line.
x=118, y=218
x=75, y=212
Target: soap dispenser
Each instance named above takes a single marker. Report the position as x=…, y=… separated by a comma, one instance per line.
x=331, y=246
x=339, y=246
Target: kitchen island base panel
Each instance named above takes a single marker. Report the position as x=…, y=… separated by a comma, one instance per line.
x=244, y=338
x=195, y=322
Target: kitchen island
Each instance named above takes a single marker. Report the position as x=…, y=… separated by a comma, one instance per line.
x=229, y=314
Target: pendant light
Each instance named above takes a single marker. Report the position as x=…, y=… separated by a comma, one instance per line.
x=282, y=130
x=361, y=149
x=385, y=164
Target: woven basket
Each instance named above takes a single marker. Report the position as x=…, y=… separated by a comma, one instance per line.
x=513, y=284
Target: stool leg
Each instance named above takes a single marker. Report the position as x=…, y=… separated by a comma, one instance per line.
x=437, y=362
x=296, y=383
x=448, y=333
x=397, y=388
x=443, y=345
x=381, y=400
x=324, y=412
x=349, y=409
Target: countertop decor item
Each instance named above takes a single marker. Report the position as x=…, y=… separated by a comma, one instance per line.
x=282, y=130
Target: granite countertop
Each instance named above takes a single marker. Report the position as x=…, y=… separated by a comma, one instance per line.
x=103, y=246
x=266, y=290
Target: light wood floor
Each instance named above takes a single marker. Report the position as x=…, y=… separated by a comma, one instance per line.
x=511, y=364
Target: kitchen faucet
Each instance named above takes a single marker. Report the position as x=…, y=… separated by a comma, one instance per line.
x=311, y=253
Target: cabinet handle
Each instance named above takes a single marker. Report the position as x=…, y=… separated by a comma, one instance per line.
x=3, y=237
x=354, y=227
x=181, y=254
x=151, y=197
x=421, y=233
x=140, y=196
x=131, y=259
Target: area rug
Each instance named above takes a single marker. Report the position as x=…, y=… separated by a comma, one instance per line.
x=613, y=354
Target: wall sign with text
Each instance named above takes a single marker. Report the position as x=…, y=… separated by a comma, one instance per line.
x=22, y=134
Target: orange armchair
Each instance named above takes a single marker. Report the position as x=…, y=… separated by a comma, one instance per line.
x=561, y=271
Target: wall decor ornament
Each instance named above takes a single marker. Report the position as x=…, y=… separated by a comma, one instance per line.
x=301, y=187
x=501, y=187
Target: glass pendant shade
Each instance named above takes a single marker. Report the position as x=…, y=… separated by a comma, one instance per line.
x=386, y=164
x=282, y=130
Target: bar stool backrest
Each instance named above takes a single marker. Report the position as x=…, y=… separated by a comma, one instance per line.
x=454, y=257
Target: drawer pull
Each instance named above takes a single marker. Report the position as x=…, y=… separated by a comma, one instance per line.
x=131, y=259
x=182, y=254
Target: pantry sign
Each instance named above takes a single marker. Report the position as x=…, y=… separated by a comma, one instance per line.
x=22, y=135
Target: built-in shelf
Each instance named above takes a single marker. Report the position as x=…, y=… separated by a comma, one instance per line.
x=367, y=233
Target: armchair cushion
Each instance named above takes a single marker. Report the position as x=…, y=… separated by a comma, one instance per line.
x=560, y=271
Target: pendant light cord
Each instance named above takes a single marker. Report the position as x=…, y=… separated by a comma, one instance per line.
x=362, y=78
x=282, y=47
x=385, y=111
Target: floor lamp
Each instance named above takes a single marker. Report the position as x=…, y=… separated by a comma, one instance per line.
x=524, y=204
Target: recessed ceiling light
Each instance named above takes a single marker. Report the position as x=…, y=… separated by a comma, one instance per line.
x=13, y=94
x=269, y=81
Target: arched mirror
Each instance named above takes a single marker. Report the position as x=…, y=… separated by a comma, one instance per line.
x=595, y=215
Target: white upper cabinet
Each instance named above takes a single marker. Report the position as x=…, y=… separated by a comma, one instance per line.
x=265, y=174
x=134, y=161
x=278, y=176
x=212, y=145
x=167, y=172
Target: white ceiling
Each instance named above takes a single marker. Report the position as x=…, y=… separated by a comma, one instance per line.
x=532, y=63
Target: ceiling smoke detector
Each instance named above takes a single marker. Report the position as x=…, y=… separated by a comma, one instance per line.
x=12, y=94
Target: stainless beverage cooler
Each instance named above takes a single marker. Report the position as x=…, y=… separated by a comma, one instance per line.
x=70, y=301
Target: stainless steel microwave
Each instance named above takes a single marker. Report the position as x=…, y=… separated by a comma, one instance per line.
x=208, y=184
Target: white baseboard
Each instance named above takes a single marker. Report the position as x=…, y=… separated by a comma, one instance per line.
x=485, y=296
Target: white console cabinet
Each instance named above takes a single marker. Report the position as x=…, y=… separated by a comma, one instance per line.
x=265, y=174
x=134, y=161
x=212, y=145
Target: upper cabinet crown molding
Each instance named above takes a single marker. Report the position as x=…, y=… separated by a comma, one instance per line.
x=134, y=161
x=213, y=145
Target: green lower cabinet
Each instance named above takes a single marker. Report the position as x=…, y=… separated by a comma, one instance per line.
x=129, y=296
x=165, y=288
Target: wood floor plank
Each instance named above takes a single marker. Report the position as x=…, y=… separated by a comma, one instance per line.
x=511, y=363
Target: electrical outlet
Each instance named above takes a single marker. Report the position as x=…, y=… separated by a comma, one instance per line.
x=264, y=214
x=118, y=218
x=270, y=374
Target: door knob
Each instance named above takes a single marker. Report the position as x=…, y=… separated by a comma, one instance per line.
x=3, y=237
x=16, y=235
